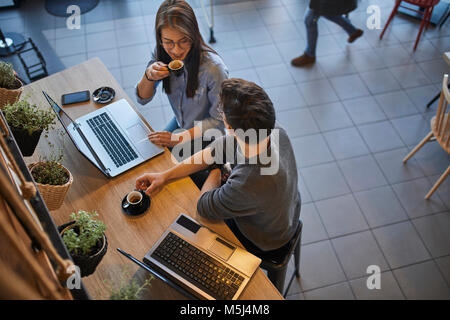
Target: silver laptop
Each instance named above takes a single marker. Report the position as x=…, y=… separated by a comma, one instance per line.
x=113, y=138
x=201, y=261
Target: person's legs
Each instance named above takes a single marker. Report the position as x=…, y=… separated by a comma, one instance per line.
x=345, y=24
x=312, y=33
x=248, y=245
x=172, y=125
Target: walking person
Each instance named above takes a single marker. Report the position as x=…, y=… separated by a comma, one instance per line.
x=333, y=10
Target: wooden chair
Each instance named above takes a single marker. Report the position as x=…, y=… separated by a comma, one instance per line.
x=440, y=131
x=426, y=5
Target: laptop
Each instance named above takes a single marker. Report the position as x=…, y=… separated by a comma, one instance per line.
x=201, y=261
x=113, y=138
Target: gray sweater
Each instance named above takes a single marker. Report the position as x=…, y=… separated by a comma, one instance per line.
x=265, y=207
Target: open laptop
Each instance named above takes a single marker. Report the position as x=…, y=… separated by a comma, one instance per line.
x=113, y=138
x=201, y=261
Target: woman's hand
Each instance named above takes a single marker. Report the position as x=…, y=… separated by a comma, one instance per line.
x=165, y=138
x=151, y=183
x=157, y=71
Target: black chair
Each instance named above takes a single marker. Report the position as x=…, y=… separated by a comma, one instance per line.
x=30, y=52
x=276, y=262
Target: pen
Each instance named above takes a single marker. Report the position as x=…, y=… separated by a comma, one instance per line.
x=142, y=140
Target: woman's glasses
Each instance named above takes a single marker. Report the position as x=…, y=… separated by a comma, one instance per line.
x=184, y=43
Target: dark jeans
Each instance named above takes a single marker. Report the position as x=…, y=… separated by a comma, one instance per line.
x=312, y=32
x=248, y=245
x=252, y=248
x=172, y=125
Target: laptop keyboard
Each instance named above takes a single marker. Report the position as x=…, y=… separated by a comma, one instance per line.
x=112, y=140
x=197, y=267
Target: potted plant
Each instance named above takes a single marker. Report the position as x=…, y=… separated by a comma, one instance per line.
x=52, y=178
x=27, y=122
x=85, y=239
x=127, y=289
x=10, y=85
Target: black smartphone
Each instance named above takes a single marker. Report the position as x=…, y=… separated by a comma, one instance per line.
x=75, y=97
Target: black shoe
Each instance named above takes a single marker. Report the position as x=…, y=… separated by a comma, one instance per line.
x=303, y=60
x=358, y=33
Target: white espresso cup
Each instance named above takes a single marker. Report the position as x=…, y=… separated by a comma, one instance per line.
x=134, y=200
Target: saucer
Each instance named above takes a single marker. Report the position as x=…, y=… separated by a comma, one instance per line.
x=103, y=95
x=136, y=212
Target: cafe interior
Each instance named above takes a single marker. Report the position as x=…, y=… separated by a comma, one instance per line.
x=367, y=118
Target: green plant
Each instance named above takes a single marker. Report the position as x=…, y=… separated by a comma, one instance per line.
x=29, y=117
x=86, y=235
x=128, y=289
x=49, y=169
x=50, y=172
x=8, y=78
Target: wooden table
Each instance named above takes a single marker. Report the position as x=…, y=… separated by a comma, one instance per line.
x=91, y=190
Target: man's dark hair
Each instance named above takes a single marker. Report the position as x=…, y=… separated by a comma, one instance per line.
x=247, y=106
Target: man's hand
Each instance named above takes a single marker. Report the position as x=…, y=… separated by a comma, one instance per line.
x=164, y=138
x=152, y=183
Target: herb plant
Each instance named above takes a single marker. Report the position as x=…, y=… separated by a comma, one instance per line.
x=85, y=235
x=128, y=290
x=8, y=79
x=29, y=117
x=49, y=169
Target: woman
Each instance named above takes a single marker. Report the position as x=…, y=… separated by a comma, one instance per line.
x=193, y=95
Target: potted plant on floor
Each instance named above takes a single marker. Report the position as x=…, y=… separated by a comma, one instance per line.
x=52, y=178
x=85, y=239
x=10, y=85
x=27, y=122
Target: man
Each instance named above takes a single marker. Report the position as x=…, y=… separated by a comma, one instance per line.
x=332, y=10
x=261, y=205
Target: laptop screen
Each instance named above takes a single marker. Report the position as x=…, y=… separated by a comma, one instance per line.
x=62, y=115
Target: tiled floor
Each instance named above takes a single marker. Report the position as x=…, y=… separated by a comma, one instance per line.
x=351, y=117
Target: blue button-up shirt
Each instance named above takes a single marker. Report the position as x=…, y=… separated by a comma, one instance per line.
x=203, y=105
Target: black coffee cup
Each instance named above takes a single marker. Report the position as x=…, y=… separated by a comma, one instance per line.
x=134, y=200
x=176, y=67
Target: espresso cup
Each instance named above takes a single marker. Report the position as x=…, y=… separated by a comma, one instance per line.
x=176, y=67
x=134, y=200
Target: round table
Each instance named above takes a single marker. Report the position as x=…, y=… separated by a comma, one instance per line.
x=59, y=7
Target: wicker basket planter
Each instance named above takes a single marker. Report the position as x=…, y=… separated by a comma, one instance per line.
x=9, y=96
x=53, y=195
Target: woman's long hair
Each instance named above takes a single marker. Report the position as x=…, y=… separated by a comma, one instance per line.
x=178, y=14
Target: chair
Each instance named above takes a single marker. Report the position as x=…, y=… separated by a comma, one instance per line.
x=35, y=71
x=426, y=5
x=440, y=131
x=446, y=14
x=276, y=262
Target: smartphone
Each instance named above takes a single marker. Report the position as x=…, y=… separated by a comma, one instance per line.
x=75, y=97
